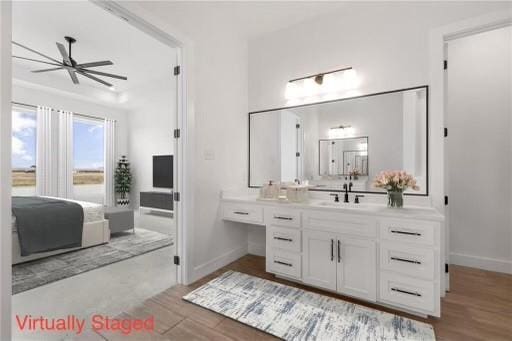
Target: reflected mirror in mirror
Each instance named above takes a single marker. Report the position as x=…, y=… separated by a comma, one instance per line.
x=348, y=156
x=336, y=142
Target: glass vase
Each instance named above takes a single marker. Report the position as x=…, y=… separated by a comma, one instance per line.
x=395, y=199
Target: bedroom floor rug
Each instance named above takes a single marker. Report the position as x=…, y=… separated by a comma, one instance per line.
x=33, y=274
x=295, y=314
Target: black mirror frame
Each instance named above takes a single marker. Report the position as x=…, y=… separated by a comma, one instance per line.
x=427, y=180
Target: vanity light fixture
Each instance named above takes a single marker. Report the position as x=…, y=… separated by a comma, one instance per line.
x=323, y=83
x=341, y=131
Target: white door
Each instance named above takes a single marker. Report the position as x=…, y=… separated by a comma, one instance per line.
x=479, y=149
x=291, y=146
x=356, y=268
x=319, y=268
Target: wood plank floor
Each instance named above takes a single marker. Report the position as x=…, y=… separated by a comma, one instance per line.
x=478, y=307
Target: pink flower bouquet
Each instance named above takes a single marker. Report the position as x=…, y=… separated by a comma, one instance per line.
x=395, y=181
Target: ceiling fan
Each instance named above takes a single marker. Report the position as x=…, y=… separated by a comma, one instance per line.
x=70, y=65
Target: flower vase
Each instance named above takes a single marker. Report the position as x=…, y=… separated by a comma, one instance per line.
x=395, y=199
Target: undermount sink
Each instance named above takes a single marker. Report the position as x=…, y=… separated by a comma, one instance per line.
x=348, y=205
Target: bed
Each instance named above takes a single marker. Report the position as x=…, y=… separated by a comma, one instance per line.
x=95, y=232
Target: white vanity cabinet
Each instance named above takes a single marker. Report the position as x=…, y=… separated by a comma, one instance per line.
x=387, y=256
x=340, y=263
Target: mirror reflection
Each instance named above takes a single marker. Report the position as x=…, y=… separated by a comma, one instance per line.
x=349, y=140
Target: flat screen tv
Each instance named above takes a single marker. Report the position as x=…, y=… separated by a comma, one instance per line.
x=163, y=171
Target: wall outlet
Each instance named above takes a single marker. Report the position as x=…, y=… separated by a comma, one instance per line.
x=209, y=154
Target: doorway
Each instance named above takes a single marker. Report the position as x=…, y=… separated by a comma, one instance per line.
x=478, y=149
x=155, y=219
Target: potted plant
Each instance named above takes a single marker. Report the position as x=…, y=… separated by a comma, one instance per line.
x=123, y=181
x=395, y=183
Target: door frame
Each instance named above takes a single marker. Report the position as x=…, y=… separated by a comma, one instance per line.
x=437, y=43
x=184, y=151
x=180, y=144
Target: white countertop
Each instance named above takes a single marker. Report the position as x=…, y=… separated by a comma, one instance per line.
x=408, y=211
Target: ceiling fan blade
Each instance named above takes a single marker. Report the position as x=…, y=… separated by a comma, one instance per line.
x=94, y=78
x=46, y=70
x=104, y=74
x=64, y=53
x=37, y=60
x=93, y=64
x=73, y=76
x=34, y=51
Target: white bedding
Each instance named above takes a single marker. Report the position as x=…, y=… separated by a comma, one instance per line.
x=92, y=212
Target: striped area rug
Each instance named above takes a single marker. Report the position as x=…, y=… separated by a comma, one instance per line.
x=295, y=314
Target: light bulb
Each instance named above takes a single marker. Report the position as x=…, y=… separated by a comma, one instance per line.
x=311, y=88
x=331, y=83
x=292, y=91
x=350, y=79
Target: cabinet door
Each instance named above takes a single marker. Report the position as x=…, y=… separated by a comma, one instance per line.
x=319, y=259
x=356, y=268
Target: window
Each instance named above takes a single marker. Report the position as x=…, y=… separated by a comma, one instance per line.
x=88, y=153
x=23, y=152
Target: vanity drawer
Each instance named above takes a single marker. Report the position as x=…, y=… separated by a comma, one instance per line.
x=284, y=238
x=282, y=217
x=411, y=261
x=403, y=230
x=243, y=213
x=357, y=225
x=284, y=263
x=415, y=294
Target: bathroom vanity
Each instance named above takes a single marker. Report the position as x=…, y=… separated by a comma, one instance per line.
x=391, y=257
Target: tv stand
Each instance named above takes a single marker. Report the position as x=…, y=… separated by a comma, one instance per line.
x=156, y=201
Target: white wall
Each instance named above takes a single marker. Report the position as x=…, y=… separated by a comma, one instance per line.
x=5, y=170
x=218, y=68
x=386, y=42
x=151, y=121
x=479, y=149
x=24, y=93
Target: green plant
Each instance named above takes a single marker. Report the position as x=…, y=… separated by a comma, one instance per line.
x=123, y=177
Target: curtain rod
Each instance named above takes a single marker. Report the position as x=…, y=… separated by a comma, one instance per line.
x=76, y=113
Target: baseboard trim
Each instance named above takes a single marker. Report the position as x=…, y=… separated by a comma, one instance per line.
x=207, y=268
x=484, y=263
x=256, y=249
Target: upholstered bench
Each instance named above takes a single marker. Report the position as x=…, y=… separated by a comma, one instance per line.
x=119, y=219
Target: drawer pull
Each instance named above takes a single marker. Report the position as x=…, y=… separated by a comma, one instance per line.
x=283, y=263
x=241, y=213
x=332, y=250
x=406, y=260
x=284, y=239
x=407, y=233
x=413, y=293
x=282, y=218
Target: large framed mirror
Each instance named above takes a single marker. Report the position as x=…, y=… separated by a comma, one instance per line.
x=347, y=140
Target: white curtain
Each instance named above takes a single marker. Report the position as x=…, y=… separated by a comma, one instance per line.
x=46, y=152
x=65, y=159
x=110, y=162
